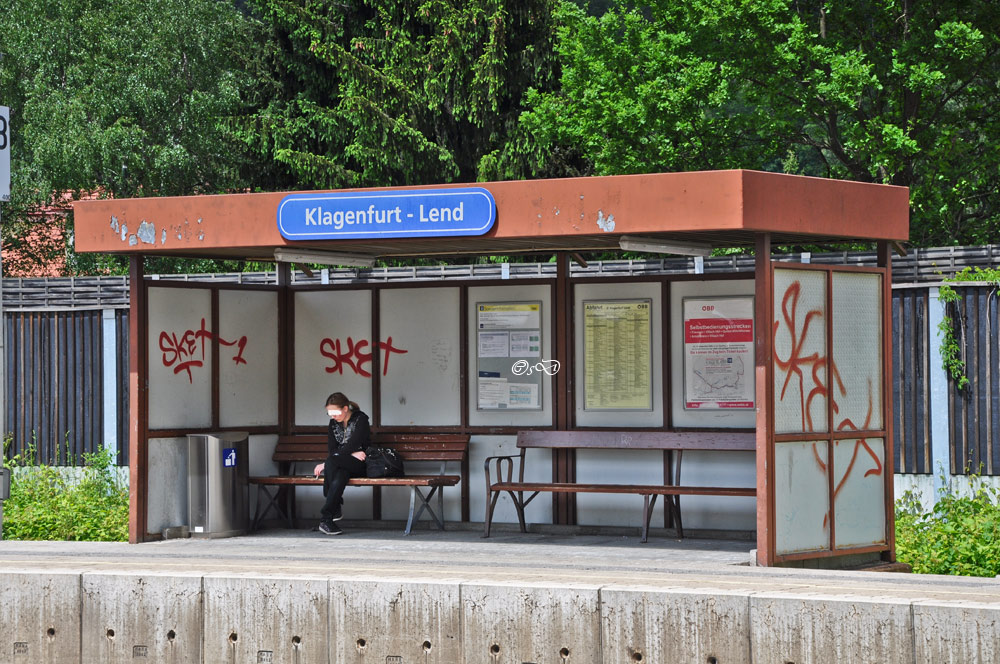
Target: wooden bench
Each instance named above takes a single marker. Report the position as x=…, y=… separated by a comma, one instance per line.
x=298, y=454
x=672, y=488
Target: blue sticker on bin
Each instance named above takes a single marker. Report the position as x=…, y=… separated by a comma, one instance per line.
x=229, y=457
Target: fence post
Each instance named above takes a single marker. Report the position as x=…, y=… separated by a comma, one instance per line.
x=939, y=412
x=109, y=389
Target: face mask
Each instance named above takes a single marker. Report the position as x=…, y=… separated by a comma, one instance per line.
x=334, y=413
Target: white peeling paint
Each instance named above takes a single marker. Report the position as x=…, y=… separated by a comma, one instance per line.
x=132, y=240
x=124, y=232
x=605, y=224
x=146, y=232
x=114, y=224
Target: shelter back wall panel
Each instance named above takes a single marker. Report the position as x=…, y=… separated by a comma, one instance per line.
x=248, y=369
x=640, y=416
x=180, y=358
x=700, y=418
x=333, y=346
x=518, y=293
x=421, y=370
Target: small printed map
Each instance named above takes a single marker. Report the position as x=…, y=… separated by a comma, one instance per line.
x=718, y=376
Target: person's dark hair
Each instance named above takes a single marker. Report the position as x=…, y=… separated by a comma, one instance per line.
x=339, y=400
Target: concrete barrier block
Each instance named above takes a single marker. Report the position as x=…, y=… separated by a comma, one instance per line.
x=252, y=619
x=951, y=633
x=395, y=620
x=136, y=617
x=531, y=623
x=40, y=616
x=823, y=629
x=675, y=625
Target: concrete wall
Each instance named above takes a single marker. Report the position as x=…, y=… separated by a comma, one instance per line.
x=72, y=616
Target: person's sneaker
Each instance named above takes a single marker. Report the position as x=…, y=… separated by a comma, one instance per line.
x=338, y=514
x=330, y=528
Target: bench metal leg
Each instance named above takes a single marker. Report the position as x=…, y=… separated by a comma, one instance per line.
x=415, y=492
x=491, y=503
x=272, y=503
x=675, y=505
x=648, y=503
x=519, y=504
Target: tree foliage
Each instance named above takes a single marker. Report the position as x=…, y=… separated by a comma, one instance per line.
x=181, y=97
x=119, y=99
x=363, y=93
x=889, y=91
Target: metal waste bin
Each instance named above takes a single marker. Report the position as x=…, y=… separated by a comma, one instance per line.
x=218, y=500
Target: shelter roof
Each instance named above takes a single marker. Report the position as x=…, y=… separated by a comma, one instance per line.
x=722, y=208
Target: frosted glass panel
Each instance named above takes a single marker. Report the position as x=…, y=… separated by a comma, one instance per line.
x=421, y=386
x=859, y=491
x=333, y=351
x=801, y=497
x=857, y=351
x=799, y=351
x=180, y=357
x=248, y=358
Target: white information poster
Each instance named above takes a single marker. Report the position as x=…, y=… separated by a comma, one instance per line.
x=718, y=352
x=509, y=333
x=494, y=344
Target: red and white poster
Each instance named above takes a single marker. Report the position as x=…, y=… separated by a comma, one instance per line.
x=718, y=353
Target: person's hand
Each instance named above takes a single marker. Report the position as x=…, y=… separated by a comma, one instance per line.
x=318, y=470
x=359, y=455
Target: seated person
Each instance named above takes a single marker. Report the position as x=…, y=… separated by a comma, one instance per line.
x=348, y=437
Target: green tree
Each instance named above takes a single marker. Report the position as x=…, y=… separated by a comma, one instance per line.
x=119, y=99
x=889, y=91
x=363, y=93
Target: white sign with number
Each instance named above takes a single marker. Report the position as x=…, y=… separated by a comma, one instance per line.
x=4, y=153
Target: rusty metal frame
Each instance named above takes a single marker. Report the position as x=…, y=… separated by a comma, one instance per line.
x=138, y=389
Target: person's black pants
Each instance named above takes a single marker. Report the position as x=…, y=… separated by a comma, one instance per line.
x=339, y=468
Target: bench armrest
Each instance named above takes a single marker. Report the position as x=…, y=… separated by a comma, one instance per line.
x=500, y=463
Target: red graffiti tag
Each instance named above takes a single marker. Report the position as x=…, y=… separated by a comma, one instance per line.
x=188, y=351
x=352, y=355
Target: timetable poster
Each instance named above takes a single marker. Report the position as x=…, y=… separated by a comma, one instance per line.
x=617, y=355
x=718, y=353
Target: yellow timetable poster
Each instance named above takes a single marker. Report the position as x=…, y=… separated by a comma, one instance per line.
x=617, y=357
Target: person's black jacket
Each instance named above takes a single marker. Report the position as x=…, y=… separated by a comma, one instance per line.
x=355, y=437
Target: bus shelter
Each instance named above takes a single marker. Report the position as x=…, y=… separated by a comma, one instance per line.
x=798, y=353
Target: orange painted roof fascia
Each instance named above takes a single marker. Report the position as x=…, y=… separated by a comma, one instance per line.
x=778, y=203
x=699, y=202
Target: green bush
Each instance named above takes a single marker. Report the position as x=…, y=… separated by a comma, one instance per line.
x=961, y=535
x=44, y=505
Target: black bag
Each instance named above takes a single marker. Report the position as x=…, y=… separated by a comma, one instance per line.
x=383, y=462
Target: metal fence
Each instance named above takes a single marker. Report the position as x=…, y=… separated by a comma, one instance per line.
x=54, y=384
x=974, y=411
x=911, y=381
x=919, y=266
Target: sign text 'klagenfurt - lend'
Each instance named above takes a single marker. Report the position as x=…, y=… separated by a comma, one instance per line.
x=383, y=214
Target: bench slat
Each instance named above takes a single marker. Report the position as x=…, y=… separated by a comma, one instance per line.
x=640, y=440
x=409, y=480
x=639, y=489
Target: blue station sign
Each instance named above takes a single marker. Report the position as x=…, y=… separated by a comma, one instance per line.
x=353, y=215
